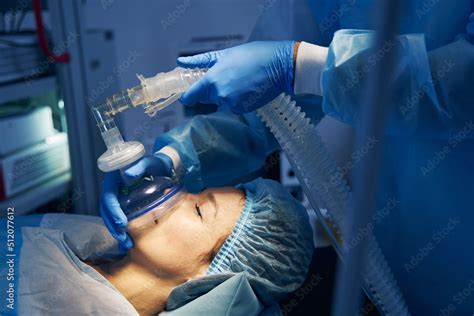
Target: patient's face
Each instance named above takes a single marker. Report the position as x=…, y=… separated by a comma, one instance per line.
x=180, y=245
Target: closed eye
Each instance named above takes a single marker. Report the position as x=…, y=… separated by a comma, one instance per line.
x=198, y=210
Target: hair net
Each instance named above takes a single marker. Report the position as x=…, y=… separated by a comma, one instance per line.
x=271, y=244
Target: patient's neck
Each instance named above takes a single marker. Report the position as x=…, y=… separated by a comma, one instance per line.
x=139, y=284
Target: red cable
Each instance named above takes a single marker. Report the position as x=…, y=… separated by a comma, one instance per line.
x=42, y=41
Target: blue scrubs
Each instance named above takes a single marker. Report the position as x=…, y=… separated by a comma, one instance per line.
x=424, y=218
x=426, y=163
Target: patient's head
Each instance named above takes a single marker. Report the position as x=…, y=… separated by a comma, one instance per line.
x=182, y=244
x=257, y=229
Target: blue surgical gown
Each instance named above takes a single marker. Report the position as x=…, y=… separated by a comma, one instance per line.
x=426, y=160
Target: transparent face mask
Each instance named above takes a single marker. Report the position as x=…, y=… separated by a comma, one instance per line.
x=148, y=200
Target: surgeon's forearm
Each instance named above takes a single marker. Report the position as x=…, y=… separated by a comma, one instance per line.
x=432, y=98
x=309, y=61
x=217, y=149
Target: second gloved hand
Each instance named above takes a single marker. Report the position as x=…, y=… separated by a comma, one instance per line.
x=242, y=78
x=114, y=218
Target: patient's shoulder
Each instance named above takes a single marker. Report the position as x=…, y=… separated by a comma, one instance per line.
x=53, y=278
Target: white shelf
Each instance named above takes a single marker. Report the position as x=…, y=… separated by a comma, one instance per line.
x=26, y=88
x=32, y=198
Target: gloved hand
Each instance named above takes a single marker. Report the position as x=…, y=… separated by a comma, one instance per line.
x=242, y=78
x=114, y=218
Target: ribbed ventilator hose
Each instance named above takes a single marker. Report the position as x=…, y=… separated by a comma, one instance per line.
x=325, y=188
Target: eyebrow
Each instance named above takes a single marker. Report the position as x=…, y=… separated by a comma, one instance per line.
x=212, y=197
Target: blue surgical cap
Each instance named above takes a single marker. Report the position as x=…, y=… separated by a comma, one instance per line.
x=271, y=244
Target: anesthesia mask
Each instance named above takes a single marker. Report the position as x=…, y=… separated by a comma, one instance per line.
x=148, y=200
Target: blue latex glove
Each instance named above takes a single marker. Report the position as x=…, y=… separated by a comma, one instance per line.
x=242, y=78
x=114, y=218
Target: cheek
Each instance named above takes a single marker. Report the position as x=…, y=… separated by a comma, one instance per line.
x=182, y=236
x=174, y=248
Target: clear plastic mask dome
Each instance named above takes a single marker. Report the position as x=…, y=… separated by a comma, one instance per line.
x=148, y=200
